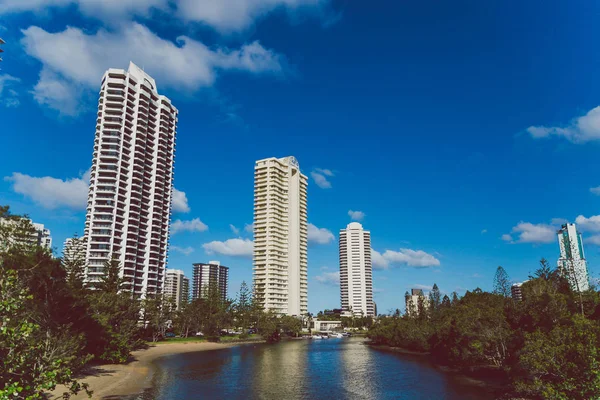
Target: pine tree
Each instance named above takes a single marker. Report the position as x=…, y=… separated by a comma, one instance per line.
x=110, y=281
x=435, y=298
x=501, y=282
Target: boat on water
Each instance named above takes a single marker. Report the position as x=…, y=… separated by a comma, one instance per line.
x=317, y=337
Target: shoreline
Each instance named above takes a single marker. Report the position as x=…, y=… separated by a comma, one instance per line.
x=493, y=384
x=109, y=380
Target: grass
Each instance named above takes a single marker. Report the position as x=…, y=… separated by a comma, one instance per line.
x=223, y=339
x=181, y=340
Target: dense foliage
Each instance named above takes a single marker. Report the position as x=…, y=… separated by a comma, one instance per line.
x=546, y=345
x=52, y=324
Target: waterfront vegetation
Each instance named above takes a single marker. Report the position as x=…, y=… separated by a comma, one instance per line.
x=545, y=346
x=52, y=325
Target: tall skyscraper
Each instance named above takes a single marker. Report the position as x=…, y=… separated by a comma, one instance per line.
x=572, y=261
x=131, y=181
x=206, y=274
x=356, y=272
x=177, y=286
x=280, y=236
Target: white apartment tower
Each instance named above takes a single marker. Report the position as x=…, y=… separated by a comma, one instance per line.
x=356, y=271
x=572, y=261
x=131, y=181
x=280, y=236
x=177, y=286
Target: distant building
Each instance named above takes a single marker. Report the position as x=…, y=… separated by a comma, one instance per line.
x=177, y=286
x=516, y=291
x=413, y=299
x=325, y=326
x=40, y=236
x=356, y=276
x=572, y=263
x=206, y=274
x=280, y=254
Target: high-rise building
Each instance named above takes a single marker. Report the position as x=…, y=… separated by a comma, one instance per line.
x=39, y=235
x=516, y=291
x=131, y=181
x=415, y=302
x=177, y=286
x=572, y=261
x=280, y=278
x=356, y=272
x=212, y=273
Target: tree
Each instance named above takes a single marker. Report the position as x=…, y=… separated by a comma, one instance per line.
x=73, y=261
x=446, y=304
x=435, y=299
x=110, y=280
x=544, y=271
x=242, y=307
x=27, y=367
x=501, y=282
x=158, y=316
x=563, y=363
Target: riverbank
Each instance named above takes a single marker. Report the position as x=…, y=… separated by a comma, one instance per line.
x=111, y=380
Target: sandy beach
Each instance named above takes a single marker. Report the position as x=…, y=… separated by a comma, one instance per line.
x=110, y=380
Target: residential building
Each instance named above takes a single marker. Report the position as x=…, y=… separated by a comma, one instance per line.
x=356, y=273
x=40, y=235
x=516, y=291
x=177, y=286
x=572, y=262
x=325, y=326
x=212, y=273
x=131, y=181
x=413, y=301
x=280, y=278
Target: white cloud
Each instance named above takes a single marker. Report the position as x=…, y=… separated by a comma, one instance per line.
x=329, y=278
x=320, y=178
x=532, y=233
x=234, y=229
x=379, y=262
x=595, y=190
x=591, y=224
x=408, y=257
x=110, y=11
x=412, y=258
x=183, y=250
x=593, y=240
x=356, y=215
x=10, y=97
x=180, y=201
x=51, y=192
x=580, y=130
x=249, y=228
x=236, y=15
x=194, y=225
x=378, y=290
x=319, y=235
x=74, y=62
x=422, y=287
x=483, y=231
x=231, y=247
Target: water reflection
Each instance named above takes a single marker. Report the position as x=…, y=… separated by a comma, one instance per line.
x=302, y=369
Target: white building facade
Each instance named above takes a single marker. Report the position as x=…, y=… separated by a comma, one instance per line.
x=280, y=273
x=572, y=262
x=177, y=286
x=207, y=274
x=131, y=181
x=356, y=271
x=75, y=249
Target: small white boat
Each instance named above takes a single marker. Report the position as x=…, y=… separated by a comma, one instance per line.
x=317, y=337
x=339, y=335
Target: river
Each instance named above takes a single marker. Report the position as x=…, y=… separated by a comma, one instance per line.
x=304, y=369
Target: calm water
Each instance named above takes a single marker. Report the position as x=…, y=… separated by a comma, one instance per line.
x=303, y=369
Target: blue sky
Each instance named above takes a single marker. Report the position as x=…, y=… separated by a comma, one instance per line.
x=462, y=132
